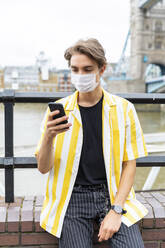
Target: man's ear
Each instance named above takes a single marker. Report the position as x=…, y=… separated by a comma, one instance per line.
x=102, y=69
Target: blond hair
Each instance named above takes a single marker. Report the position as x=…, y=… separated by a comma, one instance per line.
x=91, y=48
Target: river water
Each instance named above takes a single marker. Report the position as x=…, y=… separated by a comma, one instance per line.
x=27, y=119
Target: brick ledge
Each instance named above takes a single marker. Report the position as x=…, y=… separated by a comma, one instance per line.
x=19, y=222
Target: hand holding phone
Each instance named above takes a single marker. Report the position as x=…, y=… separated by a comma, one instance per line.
x=56, y=123
x=57, y=106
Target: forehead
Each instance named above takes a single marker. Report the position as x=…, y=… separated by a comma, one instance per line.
x=81, y=60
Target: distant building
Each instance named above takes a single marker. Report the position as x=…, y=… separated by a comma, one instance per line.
x=50, y=78
x=64, y=81
x=109, y=69
x=30, y=78
x=43, y=64
x=50, y=85
x=21, y=77
x=107, y=75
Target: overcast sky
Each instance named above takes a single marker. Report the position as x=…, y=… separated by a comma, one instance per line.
x=30, y=26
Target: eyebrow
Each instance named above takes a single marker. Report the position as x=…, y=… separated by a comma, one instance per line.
x=87, y=66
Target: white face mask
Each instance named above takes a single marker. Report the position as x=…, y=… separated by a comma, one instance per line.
x=84, y=83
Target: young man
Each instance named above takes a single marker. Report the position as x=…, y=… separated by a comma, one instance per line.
x=91, y=160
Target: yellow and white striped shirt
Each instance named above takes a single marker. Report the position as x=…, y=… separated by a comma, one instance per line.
x=122, y=140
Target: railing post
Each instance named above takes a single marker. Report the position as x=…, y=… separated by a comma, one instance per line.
x=146, y=88
x=9, y=148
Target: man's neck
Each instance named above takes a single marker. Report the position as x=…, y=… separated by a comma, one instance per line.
x=90, y=98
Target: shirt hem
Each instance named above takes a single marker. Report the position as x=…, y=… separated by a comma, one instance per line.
x=135, y=157
x=49, y=230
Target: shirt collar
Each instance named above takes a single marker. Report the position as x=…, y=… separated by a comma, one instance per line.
x=107, y=98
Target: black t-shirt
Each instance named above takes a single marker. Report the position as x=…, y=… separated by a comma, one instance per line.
x=91, y=167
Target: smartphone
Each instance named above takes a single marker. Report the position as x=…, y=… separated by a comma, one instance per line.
x=57, y=106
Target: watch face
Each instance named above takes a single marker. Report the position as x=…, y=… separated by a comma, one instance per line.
x=118, y=209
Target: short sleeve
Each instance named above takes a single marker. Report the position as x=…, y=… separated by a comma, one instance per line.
x=135, y=146
x=42, y=130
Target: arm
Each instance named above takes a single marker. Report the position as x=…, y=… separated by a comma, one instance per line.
x=112, y=220
x=134, y=148
x=126, y=181
x=45, y=156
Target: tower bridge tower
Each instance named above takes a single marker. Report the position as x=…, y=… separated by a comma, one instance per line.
x=147, y=37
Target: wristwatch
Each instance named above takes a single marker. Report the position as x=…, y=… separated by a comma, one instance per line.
x=118, y=209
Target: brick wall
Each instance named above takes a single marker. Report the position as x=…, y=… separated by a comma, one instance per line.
x=19, y=223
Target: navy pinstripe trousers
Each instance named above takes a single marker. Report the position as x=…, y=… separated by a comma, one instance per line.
x=88, y=204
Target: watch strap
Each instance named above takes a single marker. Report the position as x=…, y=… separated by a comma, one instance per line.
x=123, y=210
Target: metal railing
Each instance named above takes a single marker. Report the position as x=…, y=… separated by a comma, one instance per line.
x=9, y=162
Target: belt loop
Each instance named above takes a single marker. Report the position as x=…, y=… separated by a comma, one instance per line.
x=78, y=186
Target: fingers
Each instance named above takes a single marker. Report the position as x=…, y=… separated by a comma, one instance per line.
x=52, y=122
x=54, y=133
x=54, y=127
x=60, y=127
x=107, y=236
x=100, y=230
x=51, y=114
x=104, y=236
x=105, y=233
